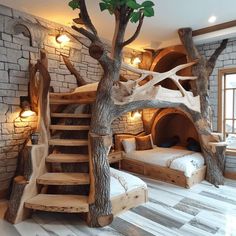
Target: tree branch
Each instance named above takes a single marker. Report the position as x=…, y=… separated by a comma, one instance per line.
x=120, y=110
x=73, y=71
x=212, y=61
x=135, y=35
x=85, y=17
x=86, y=33
x=186, y=38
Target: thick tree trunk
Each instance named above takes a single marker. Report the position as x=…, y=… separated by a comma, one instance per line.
x=100, y=204
x=214, y=156
x=23, y=173
x=100, y=141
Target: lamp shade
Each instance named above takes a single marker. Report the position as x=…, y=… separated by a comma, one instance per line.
x=62, y=38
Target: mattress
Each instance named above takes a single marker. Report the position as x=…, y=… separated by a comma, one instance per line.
x=178, y=159
x=122, y=183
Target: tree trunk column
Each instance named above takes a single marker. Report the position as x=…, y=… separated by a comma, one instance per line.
x=100, y=209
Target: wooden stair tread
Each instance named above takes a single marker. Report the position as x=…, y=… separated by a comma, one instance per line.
x=70, y=115
x=68, y=142
x=58, y=203
x=69, y=127
x=67, y=158
x=55, y=101
x=64, y=179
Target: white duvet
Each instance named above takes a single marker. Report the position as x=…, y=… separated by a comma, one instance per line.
x=122, y=182
x=178, y=159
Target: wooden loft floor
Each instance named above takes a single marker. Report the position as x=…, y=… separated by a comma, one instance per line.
x=172, y=211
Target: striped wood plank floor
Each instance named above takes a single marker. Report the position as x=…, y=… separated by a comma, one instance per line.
x=172, y=211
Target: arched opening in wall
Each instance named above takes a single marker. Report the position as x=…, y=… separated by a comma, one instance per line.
x=170, y=123
x=168, y=59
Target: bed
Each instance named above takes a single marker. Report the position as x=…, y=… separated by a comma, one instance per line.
x=127, y=191
x=174, y=165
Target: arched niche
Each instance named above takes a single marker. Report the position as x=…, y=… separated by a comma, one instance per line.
x=168, y=59
x=171, y=122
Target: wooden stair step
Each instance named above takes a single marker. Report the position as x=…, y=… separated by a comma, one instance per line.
x=55, y=101
x=58, y=203
x=69, y=127
x=67, y=158
x=68, y=142
x=70, y=115
x=64, y=179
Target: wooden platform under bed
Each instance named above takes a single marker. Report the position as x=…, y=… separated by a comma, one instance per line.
x=164, y=173
x=158, y=172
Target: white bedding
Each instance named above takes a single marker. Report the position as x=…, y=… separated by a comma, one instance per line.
x=122, y=182
x=178, y=159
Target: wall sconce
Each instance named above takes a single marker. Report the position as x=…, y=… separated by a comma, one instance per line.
x=136, y=114
x=62, y=37
x=136, y=60
x=26, y=109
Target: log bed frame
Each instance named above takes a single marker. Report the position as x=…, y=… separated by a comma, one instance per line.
x=158, y=172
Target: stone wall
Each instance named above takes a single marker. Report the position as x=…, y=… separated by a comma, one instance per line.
x=15, y=53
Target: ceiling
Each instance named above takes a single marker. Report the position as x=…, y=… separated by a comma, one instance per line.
x=158, y=31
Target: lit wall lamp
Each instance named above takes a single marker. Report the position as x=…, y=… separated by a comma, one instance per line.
x=136, y=114
x=25, y=106
x=62, y=37
x=136, y=60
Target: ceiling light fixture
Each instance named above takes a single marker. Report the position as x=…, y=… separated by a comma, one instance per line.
x=212, y=19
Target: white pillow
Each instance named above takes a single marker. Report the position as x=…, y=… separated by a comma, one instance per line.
x=129, y=144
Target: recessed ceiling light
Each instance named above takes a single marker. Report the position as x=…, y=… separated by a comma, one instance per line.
x=212, y=19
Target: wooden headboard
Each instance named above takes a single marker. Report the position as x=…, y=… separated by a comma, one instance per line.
x=120, y=137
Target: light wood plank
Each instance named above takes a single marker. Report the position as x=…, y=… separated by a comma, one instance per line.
x=55, y=101
x=64, y=179
x=67, y=158
x=68, y=142
x=70, y=115
x=58, y=203
x=69, y=127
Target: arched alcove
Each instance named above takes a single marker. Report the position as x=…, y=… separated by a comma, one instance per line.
x=172, y=122
x=168, y=59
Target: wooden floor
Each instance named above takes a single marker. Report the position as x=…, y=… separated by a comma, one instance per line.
x=202, y=210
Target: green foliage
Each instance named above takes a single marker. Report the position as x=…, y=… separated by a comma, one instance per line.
x=137, y=9
x=74, y=4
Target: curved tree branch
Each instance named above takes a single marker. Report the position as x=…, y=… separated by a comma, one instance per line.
x=135, y=35
x=73, y=71
x=86, y=33
x=85, y=17
x=212, y=61
x=185, y=35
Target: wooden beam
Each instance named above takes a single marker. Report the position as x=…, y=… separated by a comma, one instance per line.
x=214, y=28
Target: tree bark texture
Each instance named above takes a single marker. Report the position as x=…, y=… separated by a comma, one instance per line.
x=99, y=208
x=23, y=173
x=105, y=111
x=214, y=160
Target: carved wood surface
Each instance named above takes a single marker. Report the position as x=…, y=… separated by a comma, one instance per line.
x=25, y=187
x=214, y=157
x=71, y=68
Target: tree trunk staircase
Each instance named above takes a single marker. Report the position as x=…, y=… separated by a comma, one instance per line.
x=50, y=198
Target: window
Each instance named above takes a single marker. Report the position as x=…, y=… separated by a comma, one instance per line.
x=227, y=106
